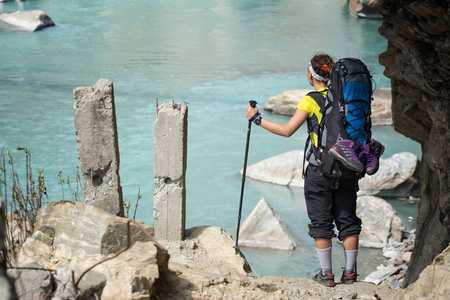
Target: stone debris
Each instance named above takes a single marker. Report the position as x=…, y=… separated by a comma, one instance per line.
x=392, y=271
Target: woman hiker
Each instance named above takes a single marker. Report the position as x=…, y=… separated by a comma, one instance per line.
x=324, y=203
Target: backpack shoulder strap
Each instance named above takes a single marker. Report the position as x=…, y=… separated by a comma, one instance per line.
x=318, y=97
x=320, y=100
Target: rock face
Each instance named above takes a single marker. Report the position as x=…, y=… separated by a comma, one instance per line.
x=169, y=171
x=365, y=8
x=264, y=228
x=433, y=281
x=380, y=223
x=73, y=237
x=98, y=145
x=285, y=103
x=417, y=61
x=27, y=20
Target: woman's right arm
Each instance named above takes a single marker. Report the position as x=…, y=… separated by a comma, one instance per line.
x=287, y=129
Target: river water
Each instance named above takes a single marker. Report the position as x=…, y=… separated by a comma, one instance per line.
x=215, y=55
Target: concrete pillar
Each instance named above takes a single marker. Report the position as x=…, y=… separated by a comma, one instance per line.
x=169, y=169
x=97, y=146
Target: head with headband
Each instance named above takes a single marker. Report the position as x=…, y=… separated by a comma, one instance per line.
x=320, y=67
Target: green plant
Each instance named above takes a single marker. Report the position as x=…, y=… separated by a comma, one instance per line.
x=127, y=205
x=75, y=193
x=20, y=205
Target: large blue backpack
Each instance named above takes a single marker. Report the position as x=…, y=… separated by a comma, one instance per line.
x=345, y=114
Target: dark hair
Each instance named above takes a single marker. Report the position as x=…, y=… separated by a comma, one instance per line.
x=322, y=64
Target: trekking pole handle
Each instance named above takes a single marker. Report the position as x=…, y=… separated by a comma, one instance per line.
x=253, y=103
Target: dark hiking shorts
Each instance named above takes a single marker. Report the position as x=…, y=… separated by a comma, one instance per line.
x=326, y=205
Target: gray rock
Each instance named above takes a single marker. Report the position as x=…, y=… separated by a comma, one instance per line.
x=74, y=237
x=286, y=102
x=27, y=20
x=380, y=223
x=397, y=177
x=31, y=282
x=283, y=169
x=264, y=228
x=90, y=287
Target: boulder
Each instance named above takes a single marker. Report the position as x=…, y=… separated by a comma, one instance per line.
x=283, y=169
x=27, y=20
x=264, y=228
x=380, y=223
x=286, y=102
x=215, y=248
x=398, y=176
x=365, y=8
x=72, y=237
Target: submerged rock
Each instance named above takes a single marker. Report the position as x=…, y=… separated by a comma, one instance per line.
x=264, y=228
x=27, y=20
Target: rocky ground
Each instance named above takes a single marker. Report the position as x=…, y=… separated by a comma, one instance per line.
x=195, y=272
x=71, y=239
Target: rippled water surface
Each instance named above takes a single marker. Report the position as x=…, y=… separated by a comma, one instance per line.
x=215, y=55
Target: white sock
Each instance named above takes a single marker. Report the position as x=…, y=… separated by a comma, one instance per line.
x=350, y=261
x=325, y=260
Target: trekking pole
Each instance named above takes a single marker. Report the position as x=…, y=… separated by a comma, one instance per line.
x=252, y=104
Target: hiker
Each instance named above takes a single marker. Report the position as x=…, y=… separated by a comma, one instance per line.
x=325, y=201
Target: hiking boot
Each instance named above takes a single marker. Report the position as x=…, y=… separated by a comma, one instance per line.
x=347, y=153
x=326, y=280
x=348, y=278
x=373, y=150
